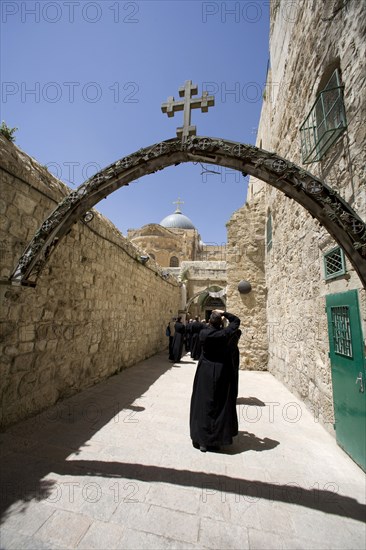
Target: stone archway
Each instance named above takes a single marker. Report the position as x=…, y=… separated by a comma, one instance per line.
x=209, y=304
x=322, y=202
x=205, y=294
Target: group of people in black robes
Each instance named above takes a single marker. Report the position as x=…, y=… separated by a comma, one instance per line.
x=193, y=330
x=184, y=336
x=213, y=417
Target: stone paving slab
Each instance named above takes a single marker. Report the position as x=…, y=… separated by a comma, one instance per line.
x=113, y=467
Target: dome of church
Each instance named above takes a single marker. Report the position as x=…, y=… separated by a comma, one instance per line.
x=177, y=221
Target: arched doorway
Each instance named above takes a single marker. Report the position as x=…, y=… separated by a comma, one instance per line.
x=322, y=202
x=212, y=303
x=210, y=298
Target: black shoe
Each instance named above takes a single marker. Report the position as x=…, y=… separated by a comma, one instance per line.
x=202, y=448
x=213, y=448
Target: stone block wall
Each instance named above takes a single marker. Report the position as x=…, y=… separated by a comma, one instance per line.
x=199, y=276
x=306, y=43
x=165, y=243
x=95, y=310
x=245, y=255
x=212, y=253
x=307, y=40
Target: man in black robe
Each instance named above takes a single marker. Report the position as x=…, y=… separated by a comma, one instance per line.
x=188, y=335
x=171, y=337
x=195, y=340
x=178, y=340
x=213, y=418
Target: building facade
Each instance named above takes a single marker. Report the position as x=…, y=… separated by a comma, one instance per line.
x=176, y=245
x=313, y=303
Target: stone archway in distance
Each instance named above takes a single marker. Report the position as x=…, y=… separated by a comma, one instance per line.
x=322, y=202
x=197, y=295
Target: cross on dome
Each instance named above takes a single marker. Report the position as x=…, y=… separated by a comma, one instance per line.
x=178, y=203
x=177, y=220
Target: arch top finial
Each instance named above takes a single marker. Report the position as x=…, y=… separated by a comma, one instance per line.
x=186, y=105
x=178, y=202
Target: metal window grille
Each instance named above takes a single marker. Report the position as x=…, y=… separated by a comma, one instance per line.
x=325, y=122
x=174, y=262
x=334, y=263
x=269, y=232
x=341, y=329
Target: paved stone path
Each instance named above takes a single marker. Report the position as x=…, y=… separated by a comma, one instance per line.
x=113, y=467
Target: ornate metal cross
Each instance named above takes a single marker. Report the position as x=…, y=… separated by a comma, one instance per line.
x=186, y=105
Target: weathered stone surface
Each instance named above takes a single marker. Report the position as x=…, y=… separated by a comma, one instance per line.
x=200, y=265
x=163, y=243
x=81, y=323
x=245, y=251
x=294, y=273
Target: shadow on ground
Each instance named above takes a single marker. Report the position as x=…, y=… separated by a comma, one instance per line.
x=32, y=449
x=246, y=441
x=41, y=445
x=316, y=499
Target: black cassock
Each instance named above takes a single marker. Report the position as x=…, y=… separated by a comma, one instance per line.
x=233, y=345
x=213, y=418
x=188, y=336
x=178, y=341
x=195, y=340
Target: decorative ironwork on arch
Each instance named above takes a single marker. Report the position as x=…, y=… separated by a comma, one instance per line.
x=322, y=202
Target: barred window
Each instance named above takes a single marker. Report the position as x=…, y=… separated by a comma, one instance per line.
x=341, y=330
x=325, y=122
x=174, y=262
x=334, y=263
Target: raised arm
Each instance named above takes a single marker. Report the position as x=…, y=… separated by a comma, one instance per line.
x=234, y=321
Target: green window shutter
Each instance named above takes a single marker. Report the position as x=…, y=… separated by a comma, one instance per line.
x=325, y=122
x=334, y=263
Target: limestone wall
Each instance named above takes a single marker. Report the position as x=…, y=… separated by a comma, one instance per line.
x=303, y=52
x=245, y=254
x=307, y=41
x=95, y=310
x=199, y=276
x=164, y=243
x=212, y=253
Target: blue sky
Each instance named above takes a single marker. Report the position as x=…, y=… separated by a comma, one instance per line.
x=84, y=82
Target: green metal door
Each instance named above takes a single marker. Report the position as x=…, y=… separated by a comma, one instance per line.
x=348, y=373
